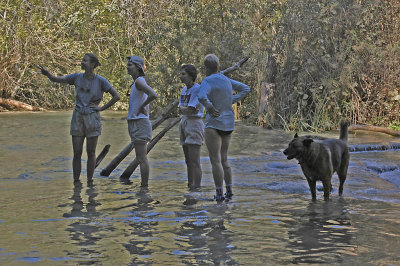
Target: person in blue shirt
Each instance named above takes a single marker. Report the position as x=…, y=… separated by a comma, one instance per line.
x=216, y=94
x=86, y=122
x=191, y=128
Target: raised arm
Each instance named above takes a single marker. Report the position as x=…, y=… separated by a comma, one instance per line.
x=59, y=79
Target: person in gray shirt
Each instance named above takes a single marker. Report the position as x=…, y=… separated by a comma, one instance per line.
x=216, y=94
x=86, y=122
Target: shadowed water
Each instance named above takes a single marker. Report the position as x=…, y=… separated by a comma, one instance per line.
x=271, y=220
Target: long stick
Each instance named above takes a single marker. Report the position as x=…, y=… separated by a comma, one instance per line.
x=125, y=152
x=134, y=164
x=235, y=66
x=102, y=154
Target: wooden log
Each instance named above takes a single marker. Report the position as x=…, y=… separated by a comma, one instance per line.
x=375, y=129
x=117, y=160
x=125, y=152
x=102, y=154
x=165, y=114
x=17, y=105
x=135, y=163
x=373, y=147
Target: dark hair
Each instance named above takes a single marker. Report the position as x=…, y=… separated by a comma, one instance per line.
x=191, y=70
x=93, y=59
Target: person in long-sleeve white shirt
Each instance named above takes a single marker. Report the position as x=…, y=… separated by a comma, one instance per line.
x=216, y=94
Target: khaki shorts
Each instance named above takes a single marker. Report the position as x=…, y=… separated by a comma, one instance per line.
x=191, y=131
x=85, y=125
x=140, y=130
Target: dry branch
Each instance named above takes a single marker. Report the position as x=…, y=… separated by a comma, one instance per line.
x=375, y=129
x=102, y=154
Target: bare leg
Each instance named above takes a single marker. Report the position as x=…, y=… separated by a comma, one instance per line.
x=141, y=155
x=91, y=144
x=224, y=159
x=77, y=146
x=214, y=143
x=194, y=164
x=188, y=165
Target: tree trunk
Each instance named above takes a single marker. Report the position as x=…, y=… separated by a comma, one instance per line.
x=17, y=105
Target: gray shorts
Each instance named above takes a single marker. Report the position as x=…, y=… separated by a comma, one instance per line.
x=140, y=130
x=191, y=131
x=85, y=125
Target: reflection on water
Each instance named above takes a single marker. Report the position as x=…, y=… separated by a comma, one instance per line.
x=83, y=230
x=322, y=233
x=47, y=218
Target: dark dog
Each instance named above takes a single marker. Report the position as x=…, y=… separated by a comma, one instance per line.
x=320, y=157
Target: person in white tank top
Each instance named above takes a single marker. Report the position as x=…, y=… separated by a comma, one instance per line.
x=139, y=126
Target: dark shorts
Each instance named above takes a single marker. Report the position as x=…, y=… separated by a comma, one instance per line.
x=223, y=133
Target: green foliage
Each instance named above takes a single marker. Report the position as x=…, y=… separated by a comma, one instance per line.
x=326, y=59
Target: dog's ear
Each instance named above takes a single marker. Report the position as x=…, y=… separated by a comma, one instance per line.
x=307, y=142
x=296, y=136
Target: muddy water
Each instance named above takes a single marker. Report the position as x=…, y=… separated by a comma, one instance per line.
x=44, y=218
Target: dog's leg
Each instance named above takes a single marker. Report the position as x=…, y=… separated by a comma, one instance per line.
x=312, y=185
x=327, y=187
x=342, y=173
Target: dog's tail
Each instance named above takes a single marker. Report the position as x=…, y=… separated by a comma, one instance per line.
x=344, y=126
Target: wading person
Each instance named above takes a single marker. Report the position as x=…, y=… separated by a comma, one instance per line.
x=85, y=122
x=139, y=126
x=191, y=128
x=216, y=94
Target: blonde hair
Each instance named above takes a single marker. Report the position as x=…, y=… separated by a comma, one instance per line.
x=211, y=61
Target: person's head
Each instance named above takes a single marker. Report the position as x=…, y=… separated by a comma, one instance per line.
x=135, y=66
x=188, y=74
x=211, y=62
x=90, y=61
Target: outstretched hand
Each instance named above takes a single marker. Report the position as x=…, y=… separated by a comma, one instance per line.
x=43, y=70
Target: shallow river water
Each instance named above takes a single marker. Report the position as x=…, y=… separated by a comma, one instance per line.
x=46, y=220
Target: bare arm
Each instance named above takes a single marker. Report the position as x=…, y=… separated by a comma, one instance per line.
x=44, y=71
x=151, y=94
x=115, y=98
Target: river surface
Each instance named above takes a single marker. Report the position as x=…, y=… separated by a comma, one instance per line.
x=47, y=220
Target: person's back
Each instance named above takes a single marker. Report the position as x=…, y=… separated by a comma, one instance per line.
x=216, y=90
x=220, y=92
